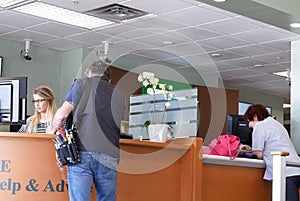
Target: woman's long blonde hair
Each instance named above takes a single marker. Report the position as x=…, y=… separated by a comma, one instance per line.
x=46, y=93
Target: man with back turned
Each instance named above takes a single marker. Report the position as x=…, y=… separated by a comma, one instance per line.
x=97, y=122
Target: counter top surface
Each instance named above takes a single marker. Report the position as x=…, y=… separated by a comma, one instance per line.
x=178, y=144
x=240, y=162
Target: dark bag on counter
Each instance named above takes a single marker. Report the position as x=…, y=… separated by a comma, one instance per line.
x=224, y=145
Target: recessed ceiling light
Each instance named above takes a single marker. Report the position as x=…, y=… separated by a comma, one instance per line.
x=216, y=55
x=295, y=25
x=168, y=43
x=219, y=0
x=74, y=2
x=62, y=15
x=258, y=65
x=279, y=57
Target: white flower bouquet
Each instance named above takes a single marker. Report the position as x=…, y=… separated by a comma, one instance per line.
x=158, y=131
x=149, y=80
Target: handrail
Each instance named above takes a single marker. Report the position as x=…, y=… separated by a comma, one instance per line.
x=279, y=174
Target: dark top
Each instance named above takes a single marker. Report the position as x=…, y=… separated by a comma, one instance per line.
x=99, y=122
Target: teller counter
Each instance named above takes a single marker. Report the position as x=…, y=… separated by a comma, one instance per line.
x=234, y=180
x=148, y=171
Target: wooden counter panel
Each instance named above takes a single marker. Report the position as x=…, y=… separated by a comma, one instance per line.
x=160, y=171
x=228, y=183
x=29, y=171
x=148, y=171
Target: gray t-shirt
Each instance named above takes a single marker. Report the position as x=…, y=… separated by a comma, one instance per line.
x=270, y=135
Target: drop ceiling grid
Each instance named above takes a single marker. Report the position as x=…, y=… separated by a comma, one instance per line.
x=59, y=29
x=165, y=6
x=194, y=28
x=19, y=20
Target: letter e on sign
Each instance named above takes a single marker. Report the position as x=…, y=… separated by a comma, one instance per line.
x=5, y=166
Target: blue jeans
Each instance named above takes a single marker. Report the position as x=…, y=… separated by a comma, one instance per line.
x=94, y=167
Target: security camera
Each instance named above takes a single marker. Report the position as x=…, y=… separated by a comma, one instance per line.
x=25, y=51
x=103, y=54
x=27, y=57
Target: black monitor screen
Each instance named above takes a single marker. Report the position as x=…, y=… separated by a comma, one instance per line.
x=236, y=125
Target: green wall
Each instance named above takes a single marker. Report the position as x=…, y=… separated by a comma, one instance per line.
x=44, y=68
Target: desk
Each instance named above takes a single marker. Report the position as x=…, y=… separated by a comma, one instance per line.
x=28, y=168
x=148, y=171
x=233, y=180
x=151, y=171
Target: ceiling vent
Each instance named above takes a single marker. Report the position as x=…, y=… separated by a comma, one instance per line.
x=116, y=12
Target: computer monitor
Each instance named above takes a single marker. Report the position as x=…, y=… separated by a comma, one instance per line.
x=236, y=125
x=13, y=100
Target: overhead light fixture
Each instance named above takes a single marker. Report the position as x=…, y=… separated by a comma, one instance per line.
x=295, y=25
x=74, y=2
x=285, y=105
x=7, y=3
x=258, y=65
x=66, y=16
x=286, y=74
x=216, y=55
x=219, y=0
x=168, y=42
x=283, y=73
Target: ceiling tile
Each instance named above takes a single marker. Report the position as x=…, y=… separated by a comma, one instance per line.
x=122, y=48
x=25, y=34
x=275, y=57
x=284, y=44
x=195, y=15
x=114, y=29
x=186, y=49
x=252, y=50
x=271, y=68
x=262, y=35
x=225, y=55
x=225, y=42
x=219, y=10
x=240, y=72
x=64, y=44
x=155, y=54
x=160, y=39
x=245, y=62
x=133, y=33
x=230, y=26
x=196, y=33
x=262, y=77
x=93, y=38
x=156, y=24
x=19, y=20
x=234, y=81
x=58, y=29
x=4, y=29
x=164, y=6
x=225, y=67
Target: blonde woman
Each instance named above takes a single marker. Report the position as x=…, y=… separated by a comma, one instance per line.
x=45, y=109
